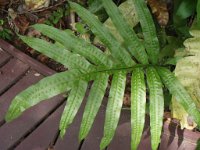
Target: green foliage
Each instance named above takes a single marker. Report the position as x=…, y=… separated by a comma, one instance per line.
x=114, y=106
x=5, y=33
x=156, y=106
x=90, y=52
x=183, y=9
x=88, y=63
x=180, y=93
x=149, y=30
x=96, y=7
x=59, y=54
x=46, y=88
x=104, y=35
x=57, y=15
x=138, y=103
x=93, y=104
x=188, y=72
x=130, y=38
x=74, y=100
x=127, y=9
x=80, y=28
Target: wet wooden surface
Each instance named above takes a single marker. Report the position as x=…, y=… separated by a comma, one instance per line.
x=37, y=128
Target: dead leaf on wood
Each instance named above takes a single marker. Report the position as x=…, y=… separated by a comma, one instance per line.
x=42, y=58
x=41, y=20
x=159, y=9
x=36, y=4
x=22, y=23
x=127, y=95
x=127, y=100
x=12, y=14
x=33, y=33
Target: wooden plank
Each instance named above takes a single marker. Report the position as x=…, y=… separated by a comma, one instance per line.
x=176, y=144
x=44, y=135
x=173, y=129
x=122, y=138
x=4, y=57
x=70, y=140
x=44, y=70
x=12, y=133
x=5, y=99
x=92, y=141
x=145, y=143
x=10, y=73
x=175, y=138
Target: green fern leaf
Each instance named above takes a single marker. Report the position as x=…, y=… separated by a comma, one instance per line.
x=93, y=104
x=149, y=30
x=179, y=92
x=113, y=109
x=118, y=52
x=130, y=38
x=128, y=11
x=73, y=103
x=75, y=44
x=44, y=89
x=138, y=103
x=156, y=106
x=59, y=54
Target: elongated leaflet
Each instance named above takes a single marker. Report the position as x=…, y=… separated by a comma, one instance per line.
x=93, y=104
x=59, y=54
x=113, y=109
x=148, y=29
x=156, y=106
x=46, y=88
x=75, y=44
x=180, y=93
x=118, y=52
x=73, y=103
x=138, y=104
x=130, y=38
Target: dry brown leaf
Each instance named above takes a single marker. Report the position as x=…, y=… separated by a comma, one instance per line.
x=127, y=99
x=36, y=4
x=159, y=9
x=22, y=23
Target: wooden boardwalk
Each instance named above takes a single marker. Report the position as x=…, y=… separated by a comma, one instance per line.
x=37, y=128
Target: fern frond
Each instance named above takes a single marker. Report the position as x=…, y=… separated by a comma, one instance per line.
x=93, y=104
x=113, y=109
x=148, y=29
x=44, y=89
x=59, y=54
x=179, y=92
x=117, y=51
x=156, y=106
x=138, y=104
x=74, y=101
x=130, y=38
x=75, y=44
x=128, y=12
